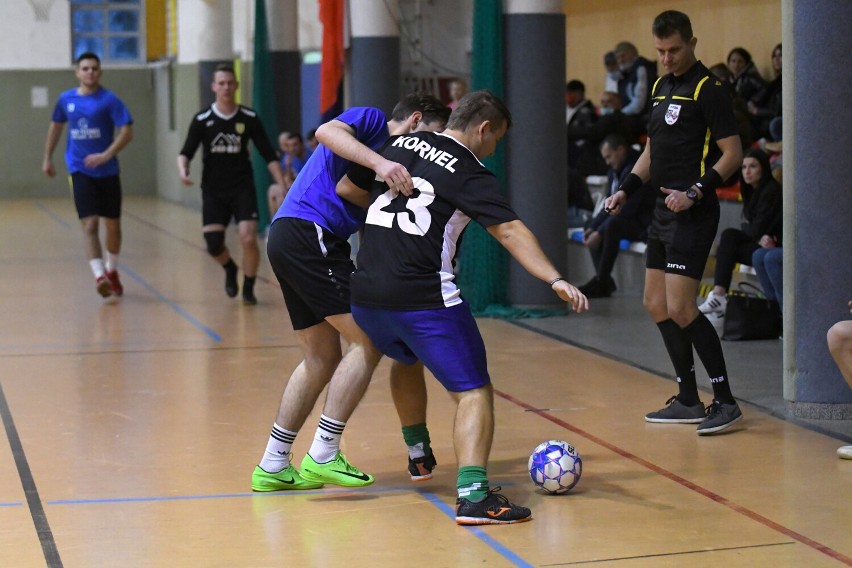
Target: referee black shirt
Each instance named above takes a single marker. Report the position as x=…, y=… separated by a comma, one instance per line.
x=689, y=114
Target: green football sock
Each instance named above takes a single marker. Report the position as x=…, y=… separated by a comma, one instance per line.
x=472, y=483
x=417, y=439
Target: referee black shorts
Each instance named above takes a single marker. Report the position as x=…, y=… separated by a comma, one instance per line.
x=218, y=207
x=313, y=267
x=679, y=243
x=96, y=196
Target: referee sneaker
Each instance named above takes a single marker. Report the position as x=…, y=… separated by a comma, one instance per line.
x=692, y=146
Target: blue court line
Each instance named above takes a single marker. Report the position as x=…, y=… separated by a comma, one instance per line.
x=189, y=317
x=53, y=215
x=12, y=504
x=479, y=533
x=210, y=333
x=431, y=497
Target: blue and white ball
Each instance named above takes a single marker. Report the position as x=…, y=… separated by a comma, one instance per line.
x=555, y=466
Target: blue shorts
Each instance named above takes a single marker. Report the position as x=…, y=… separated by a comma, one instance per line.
x=447, y=340
x=96, y=196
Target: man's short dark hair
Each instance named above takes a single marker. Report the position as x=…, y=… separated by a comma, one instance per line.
x=226, y=67
x=477, y=107
x=575, y=86
x=615, y=141
x=296, y=135
x=88, y=55
x=428, y=105
x=672, y=22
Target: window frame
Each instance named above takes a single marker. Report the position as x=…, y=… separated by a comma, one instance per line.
x=105, y=35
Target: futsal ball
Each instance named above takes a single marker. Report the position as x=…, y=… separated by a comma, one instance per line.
x=555, y=466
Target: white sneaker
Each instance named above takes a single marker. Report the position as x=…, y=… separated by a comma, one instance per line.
x=713, y=304
x=844, y=452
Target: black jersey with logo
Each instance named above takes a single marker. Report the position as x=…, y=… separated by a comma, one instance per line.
x=407, y=254
x=688, y=115
x=225, y=142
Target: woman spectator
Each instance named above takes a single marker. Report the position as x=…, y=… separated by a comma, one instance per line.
x=765, y=105
x=744, y=75
x=761, y=227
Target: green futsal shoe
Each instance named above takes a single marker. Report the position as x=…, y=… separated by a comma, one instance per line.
x=337, y=472
x=288, y=479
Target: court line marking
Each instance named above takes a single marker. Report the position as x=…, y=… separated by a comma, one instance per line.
x=185, y=241
x=668, y=377
x=182, y=312
x=667, y=554
x=478, y=532
x=748, y=513
x=42, y=527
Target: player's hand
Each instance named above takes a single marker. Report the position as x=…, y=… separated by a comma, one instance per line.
x=572, y=295
x=396, y=176
x=47, y=168
x=676, y=199
x=94, y=160
x=614, y=202
x=184, y=178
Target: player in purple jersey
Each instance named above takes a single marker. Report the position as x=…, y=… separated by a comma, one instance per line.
x=404, y=294
x=310, y=255
x=93, y=114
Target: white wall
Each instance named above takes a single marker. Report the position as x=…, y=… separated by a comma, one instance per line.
x=27, y=43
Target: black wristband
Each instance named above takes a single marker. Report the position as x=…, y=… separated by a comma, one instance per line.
x=631, y=184
x=555, y=280
x=709, y=181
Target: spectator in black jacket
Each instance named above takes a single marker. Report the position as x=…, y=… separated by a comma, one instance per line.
x=637, y=80
x=765, y=105
x=745, y=77
x=761, y=227
x=604, y=234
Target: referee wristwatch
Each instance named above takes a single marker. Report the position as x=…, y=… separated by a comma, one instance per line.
x=692, y=193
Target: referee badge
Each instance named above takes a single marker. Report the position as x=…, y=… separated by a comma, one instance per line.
x=240, y=127
x=672, y=114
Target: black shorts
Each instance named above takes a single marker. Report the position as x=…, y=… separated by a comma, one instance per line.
x=313, y=267
x=217, y=208
x=96, y=196
x=679, y=243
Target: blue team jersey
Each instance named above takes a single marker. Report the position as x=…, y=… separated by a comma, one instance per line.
x=92, y=120
x=312, y=197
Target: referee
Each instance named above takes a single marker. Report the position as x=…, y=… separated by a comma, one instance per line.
x=692, y=146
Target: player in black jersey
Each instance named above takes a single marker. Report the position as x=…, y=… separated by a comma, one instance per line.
x=227, y=184
x=693, y=144
x=403, y=291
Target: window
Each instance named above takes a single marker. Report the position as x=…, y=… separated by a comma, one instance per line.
x=114, y=29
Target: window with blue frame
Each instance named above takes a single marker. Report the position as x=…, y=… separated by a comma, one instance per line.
x=114, y=29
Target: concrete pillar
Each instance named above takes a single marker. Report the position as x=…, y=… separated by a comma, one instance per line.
x=285, y=62
x=536, y=145
x=205, y=37
x=817, y=203
x=373, y=74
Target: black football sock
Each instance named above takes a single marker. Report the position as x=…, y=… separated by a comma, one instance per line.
x=709, y=348
x=680, y=352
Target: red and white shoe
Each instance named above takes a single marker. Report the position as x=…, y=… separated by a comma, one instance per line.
x=103, y=286
x=115, y=283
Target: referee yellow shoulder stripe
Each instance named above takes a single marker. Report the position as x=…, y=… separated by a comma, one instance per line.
x=654, y=88
x=698, y=88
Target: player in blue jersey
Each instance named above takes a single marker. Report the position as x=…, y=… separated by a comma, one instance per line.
x=93, y=113
x=310, y=256
x=404, y=294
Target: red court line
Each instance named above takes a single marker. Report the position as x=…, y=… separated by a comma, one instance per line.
x=682, y=481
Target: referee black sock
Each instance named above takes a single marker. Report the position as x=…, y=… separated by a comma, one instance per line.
x=680, y=352
x=709, y=348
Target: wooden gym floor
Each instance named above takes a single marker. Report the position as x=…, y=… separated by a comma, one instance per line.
x=132, y=427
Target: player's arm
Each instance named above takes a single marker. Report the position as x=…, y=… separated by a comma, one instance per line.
x=339, y=137
x=190, y=145
x=523, y=246
x=125, y=135
x=54, y=131
x=346, y=189
x=639, y=176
